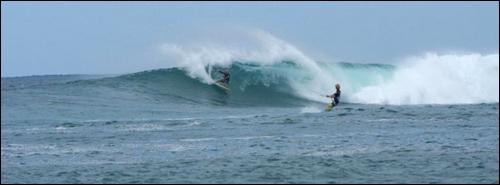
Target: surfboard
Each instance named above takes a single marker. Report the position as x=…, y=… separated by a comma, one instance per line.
x=223, y=86
x=329, y=107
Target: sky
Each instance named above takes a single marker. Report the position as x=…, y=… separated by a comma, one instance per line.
x=39, y=38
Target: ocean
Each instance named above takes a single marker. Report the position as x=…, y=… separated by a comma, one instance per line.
x=394, y=124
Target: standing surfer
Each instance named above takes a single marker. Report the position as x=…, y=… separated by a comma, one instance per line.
x=335, y=96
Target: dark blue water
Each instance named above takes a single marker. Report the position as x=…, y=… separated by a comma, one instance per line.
x=148, y=128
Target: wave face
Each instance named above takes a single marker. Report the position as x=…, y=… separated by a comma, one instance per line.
x=174, y=85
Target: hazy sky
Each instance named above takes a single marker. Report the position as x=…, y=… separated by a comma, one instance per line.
x=120, y=37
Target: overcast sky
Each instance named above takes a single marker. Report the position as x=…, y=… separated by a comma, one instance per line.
x=121, y=37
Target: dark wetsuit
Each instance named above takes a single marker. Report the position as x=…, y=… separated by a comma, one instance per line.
x=336, y=98
x=226, y=77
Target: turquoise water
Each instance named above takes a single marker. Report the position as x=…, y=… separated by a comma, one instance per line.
x=163, y=126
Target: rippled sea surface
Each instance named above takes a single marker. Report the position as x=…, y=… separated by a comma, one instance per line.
x=52, y=136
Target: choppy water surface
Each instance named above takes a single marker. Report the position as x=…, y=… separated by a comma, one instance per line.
x=58, y=130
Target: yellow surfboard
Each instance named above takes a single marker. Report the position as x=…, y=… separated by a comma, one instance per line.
x=329, y=107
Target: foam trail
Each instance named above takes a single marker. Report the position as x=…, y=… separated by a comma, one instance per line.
x=310, y=109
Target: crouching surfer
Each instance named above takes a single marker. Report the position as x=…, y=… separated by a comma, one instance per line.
x=225, y=79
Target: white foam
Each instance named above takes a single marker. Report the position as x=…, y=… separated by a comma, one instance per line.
x=250, y=137
x=437, y=79
x=310, y=109
x=198, y=139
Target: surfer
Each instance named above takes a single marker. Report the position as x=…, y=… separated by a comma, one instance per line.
x=225, y=79
x=335, y=96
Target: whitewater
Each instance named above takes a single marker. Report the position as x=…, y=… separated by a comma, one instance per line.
x=428, y=118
